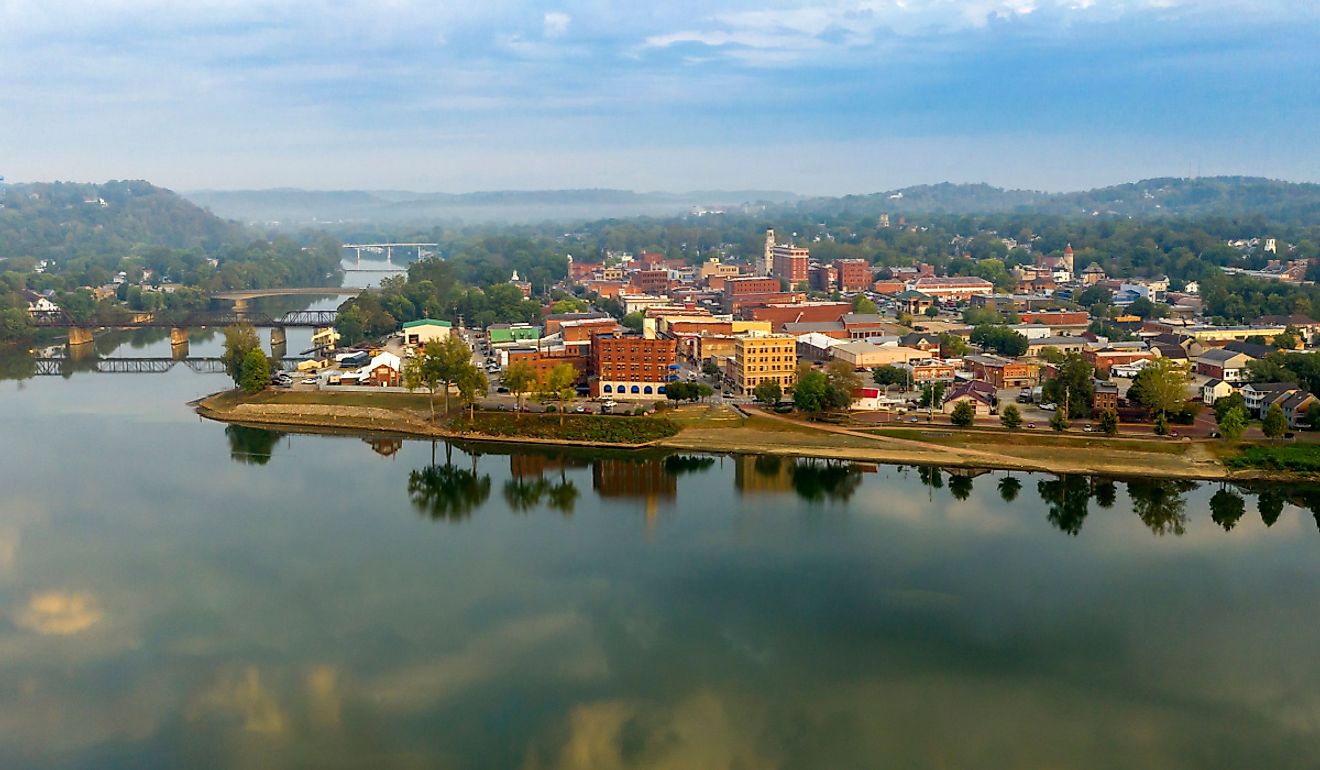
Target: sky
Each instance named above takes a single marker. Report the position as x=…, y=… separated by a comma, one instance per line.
x=824, y=97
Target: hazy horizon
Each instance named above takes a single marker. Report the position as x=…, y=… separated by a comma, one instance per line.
x=823, y=98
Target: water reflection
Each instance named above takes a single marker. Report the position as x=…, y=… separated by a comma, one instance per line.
x=1226, y=508
x=251, y=446
x=1068, y=497
x=448, y=492
x=1160, y=504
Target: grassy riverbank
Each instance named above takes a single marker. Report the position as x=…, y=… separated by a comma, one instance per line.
x=723, y=429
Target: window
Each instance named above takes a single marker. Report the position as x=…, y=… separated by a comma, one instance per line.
x=609, y=389
x=635, y=389
x=647, y=390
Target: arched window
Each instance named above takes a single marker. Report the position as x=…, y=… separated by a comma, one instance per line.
x=636, y=389
x=660, y=389
x=609, y=388
x=647, y=390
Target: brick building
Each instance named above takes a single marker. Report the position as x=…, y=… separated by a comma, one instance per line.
x=757, y=359
x=791, y=263
x=631, y=367
x=1002, y=372
x=853, y=274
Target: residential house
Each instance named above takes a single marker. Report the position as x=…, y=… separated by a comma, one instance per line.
x=1106, y=396
x=1214, y=389
x=1259, y=395
x=1294, y=407
x=981, y=395
x=1221, y=363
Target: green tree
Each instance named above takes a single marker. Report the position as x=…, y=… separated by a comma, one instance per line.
x=1109, y=421
x=710, y=368
x=768, y=392
x=1313, y=416
x=239, y=341
x=953, y=346
x=472, y=385
x=519, y=378
x=933, y=311
x=1000, y=339
x=809, y=394
x=1072, y=387
x=963, y=415
x=632, y=321
x=448, y=359
x=418, y=372
x=932, y=395
x=1275, y=424
x=1226, y=404
x=1161, y=424
x=1011, y=417
x=1233, y=423
x=1161, y=387
x=842, y=380
x=889, y=375
x=1009, y=487
x=1059, y=420
x=559, y=383
x=863, y=304
x=256, y=371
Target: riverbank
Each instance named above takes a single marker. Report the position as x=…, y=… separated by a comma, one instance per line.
x=724, y=430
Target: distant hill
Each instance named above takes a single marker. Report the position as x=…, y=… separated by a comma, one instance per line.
x=1212, y=196
x=61, y=220
x=293, y=207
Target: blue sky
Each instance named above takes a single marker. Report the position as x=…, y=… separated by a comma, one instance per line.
x=827, y=97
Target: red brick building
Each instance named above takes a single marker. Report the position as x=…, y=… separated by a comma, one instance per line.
x=853, y=274
x=799, y=312
x=631, y=367
x=791, y=264
x=542, y=361
x=652, y=282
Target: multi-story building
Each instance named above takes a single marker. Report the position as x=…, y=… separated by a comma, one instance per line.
x=958, y=287
x=631, y=367
x=791, y=263
x=854, y=274
x=542, y=360
x=1002, y=372
x=757, y=359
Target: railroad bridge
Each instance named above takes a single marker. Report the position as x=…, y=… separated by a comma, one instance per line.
x=82, y=332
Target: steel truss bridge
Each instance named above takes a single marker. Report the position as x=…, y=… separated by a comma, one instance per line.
x=296, y=318
x=60, y=366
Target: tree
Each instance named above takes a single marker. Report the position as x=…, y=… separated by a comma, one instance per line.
x=842, y=380
x=1000, y=339
x=1313, y=416
x=1233, y=423
x=256, y=371
x=1226, y=404
x=952, y=346
x=704, y=391
x=768, y=392
x=239, y=341
x=450, y=358
x=889, y=375
x=1109, y=421
x=710, y=368
x=1161, y=424
x=932, y=395
x=1142, y=308
x=1059, y=420
x=809, y=394
x=1009, y=486
x=933, y=311
x=558, y=384
x=1161, y=387
x=1275, y=424
x=1226, y=507
x=1011, y=417
x=863, y=304
x=632, y=321
x=519, y=378
x=964, y=415
x=472, y=385
x=680, y=391
x=417, y=374
x=1072, y=387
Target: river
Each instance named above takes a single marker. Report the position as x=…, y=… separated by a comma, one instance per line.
x=179, y=593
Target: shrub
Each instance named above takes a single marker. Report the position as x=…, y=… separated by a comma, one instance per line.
x=576, y=427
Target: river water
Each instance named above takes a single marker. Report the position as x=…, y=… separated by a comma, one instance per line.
x=178, y=593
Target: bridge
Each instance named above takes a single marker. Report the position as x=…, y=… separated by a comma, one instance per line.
x=82, y=332
x=60, y=366
x=243, y=295
x=294, y=318
x=387, y=248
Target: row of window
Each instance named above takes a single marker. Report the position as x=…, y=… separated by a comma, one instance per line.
x=643, y=390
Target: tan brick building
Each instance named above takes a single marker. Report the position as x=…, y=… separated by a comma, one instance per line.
x=757, y=359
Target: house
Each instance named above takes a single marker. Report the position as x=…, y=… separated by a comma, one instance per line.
x=425, y=330
x=384, y=370
x=39, y=305
x=1259, y=395
x=1106, y=396
x=1215, y=389
x=913, y=302
x=1294, y=407
x=1221, y=363
x=981, y=395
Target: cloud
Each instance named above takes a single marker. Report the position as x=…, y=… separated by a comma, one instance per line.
x=240, y=695
x=59, y=613
x=556, y=24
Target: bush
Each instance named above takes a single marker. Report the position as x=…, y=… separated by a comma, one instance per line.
x=1298, y=458
x=576, y=427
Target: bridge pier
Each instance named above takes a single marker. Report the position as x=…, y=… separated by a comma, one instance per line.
x=278, y=341
x=79, y=336
x=178, y=337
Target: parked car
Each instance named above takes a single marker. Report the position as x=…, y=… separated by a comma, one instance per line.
x=309, y=381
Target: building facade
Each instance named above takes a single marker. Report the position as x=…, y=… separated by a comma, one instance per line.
x=757, y=359
x=630, y=367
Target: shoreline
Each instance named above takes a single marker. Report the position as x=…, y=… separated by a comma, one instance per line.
x=785, y=438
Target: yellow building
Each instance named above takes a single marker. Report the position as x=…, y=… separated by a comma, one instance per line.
x=757, y=359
